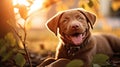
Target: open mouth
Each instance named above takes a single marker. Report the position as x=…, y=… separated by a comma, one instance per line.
x=77, y=38
x=77, y=34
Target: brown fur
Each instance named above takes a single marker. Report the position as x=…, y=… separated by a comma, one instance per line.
x=79, y=20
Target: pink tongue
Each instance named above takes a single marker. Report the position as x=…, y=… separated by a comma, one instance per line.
x=77, y=40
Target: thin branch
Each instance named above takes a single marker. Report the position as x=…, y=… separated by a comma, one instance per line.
x=20, y=26
x=23, y=41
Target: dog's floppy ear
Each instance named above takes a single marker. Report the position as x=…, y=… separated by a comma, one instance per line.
x=90, y=17
x=52, y=23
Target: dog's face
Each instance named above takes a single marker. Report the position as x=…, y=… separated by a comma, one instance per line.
x=73, y=24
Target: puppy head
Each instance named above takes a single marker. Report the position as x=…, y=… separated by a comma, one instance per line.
x=53, y=23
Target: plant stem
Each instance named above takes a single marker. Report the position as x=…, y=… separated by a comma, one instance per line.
x=25, y=48
x=28, y=56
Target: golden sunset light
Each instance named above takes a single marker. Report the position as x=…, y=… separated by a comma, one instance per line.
x=20, y=2
x=59, y=33
x=24, y=2
x=36, y=5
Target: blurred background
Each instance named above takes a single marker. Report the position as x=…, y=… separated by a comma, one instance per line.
x=39, y=11
x=33, y=14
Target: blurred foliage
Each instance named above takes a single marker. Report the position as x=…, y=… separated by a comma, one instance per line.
x=48, y=3
x=115, y=8
x=23, y=11
x=10, y=52
x=19, y=59
x=115, y=5
x=75, y=63
x=100, y=59
x=59, y=5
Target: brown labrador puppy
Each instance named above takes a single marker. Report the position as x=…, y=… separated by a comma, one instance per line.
x=76, y=42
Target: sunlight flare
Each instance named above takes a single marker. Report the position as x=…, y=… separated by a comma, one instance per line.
x=32, y=7
x=36, y=5
x=21, y=2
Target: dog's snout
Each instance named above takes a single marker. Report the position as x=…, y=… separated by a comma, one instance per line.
x=75, y=26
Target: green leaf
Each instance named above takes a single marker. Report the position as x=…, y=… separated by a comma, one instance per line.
x=7, y=56
x=2, y=42
x=100, y=59
x=10, y=40
x=3, y=51
x=75, y=63
x=96, y=65
x=20, y=60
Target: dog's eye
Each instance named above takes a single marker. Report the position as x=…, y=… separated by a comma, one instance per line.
x=79, y=17
x=65, y=20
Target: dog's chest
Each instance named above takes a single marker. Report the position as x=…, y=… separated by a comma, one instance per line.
x=74, y=52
